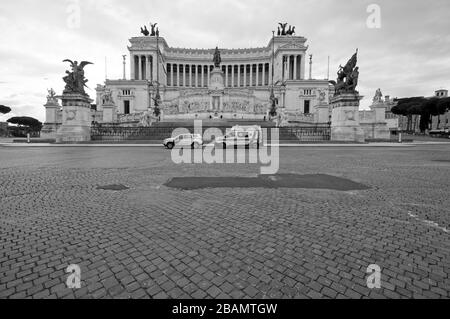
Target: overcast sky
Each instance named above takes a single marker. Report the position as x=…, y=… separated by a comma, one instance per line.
x=407, y=56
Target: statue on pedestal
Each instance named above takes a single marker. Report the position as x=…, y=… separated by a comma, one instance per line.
x=51, y=97
x=75, y=80
x=348, y=76
x=107, y=98
x=217, y=58
x=378, y=98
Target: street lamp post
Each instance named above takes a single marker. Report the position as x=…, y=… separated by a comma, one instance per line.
x=157, y=111
x=273, y=109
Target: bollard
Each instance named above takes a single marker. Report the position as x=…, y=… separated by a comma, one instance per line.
x=28, y=138
x=400, y=140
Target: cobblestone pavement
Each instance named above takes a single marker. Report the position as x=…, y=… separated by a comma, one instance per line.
x=150, y=241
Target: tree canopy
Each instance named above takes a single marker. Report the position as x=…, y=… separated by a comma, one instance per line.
x=425, y=107
x=4, y=109
x=30, y=122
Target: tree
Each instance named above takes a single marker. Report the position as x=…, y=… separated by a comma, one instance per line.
x=408, y=107
x=4, y=109
x=425, y=107
x=30, y=123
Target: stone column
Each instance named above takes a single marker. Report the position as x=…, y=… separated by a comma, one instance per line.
x=264, y=74
x=295, y=68
x=345, y=125
x=76, y=124
x=270, y=74
x=178, y=75
x=140, y=67
x=302, y=66
x=147, y=67
x=251, y=74
x=226, y=75
x=202, y=74
x=239, y=76
x=172, y=74
x=190, y=74
x=245, y=75
x=196, y=76
x=232, y=75
x=257, y=74
x=133, y=67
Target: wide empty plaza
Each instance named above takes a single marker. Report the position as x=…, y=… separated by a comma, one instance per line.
x=110, y=211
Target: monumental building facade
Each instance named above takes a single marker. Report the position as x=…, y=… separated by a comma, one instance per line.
x=184, y=80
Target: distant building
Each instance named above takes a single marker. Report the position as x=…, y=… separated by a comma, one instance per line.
x=442, y=121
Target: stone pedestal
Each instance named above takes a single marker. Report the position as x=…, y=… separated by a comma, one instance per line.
x=109, y=113
x=216, y=88
x=380, y=111
x=76, y=124
x=379, y=129
x=323, y=114
x=52, y=123
x=345, y=125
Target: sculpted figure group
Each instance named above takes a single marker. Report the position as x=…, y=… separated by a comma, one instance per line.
x=154, y=30
x=348, y=76
x=282, y=29
x=75, y=80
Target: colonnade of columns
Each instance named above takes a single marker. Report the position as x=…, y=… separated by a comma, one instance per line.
x=143, y=67
x=292, y=67
x=236, y=75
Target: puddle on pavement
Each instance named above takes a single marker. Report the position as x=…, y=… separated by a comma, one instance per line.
x=315, y=181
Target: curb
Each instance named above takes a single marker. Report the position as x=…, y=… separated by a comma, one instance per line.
x=269, y=145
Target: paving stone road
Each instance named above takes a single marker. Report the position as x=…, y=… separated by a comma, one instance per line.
x=146, y=240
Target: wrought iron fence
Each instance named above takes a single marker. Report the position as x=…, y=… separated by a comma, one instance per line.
x=159, y=133
x=305, y=134
x=119, y=133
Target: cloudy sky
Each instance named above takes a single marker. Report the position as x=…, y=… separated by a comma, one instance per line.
x=408, y=55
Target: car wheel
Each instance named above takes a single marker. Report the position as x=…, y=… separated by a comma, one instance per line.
x=170, y=146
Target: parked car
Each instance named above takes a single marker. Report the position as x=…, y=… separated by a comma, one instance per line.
x=183, y=141
x=247, y=136
x=440, y=133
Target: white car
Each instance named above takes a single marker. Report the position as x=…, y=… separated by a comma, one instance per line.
x=247, y=136
x=183, y=141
